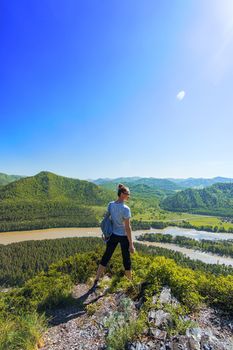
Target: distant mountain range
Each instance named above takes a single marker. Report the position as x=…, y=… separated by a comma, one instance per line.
x=170, y=184
x=50, y=200
x=164, y=184
x=200, y=182
x=201, y=196
x=5, y=179
x=141, y=186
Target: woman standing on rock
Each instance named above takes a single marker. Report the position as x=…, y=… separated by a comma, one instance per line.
x=120, y=215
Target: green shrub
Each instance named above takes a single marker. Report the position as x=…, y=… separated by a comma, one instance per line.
x=41, y=292
x=122, y=328
x=181, y=280
x=179, y=323
x=91, y=309
x=118, y=339
x=23, y=332
x=79, y=267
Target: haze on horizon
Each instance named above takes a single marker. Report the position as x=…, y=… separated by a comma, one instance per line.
x=117, y=89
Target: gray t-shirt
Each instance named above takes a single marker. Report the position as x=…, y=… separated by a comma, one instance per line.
x=119, y=212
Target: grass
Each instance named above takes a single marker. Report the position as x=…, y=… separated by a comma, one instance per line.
x=23, y=332
x=193, y=219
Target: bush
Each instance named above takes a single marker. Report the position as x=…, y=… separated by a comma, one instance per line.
x=41, y=292
x=23, y=332
x=79, y=267
x=122, y=328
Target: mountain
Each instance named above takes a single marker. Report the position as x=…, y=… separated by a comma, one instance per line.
x=6, y=179
x=158, y=184
x=200, y=182
x=214, y=200
x=101, y=181
x=49, y=186
x=50, y=200
x=170, y=184
x=148, y=191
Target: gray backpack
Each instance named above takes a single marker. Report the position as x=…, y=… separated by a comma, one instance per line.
x=106, y=226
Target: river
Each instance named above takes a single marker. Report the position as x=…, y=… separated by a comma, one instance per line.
x=192, y=233
x=19, y=236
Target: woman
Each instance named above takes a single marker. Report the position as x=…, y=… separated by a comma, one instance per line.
x=120, y=215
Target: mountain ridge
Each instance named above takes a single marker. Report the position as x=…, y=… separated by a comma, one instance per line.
x=217, y=199
x=49, y=186
x=6, y=178
x=48, y=200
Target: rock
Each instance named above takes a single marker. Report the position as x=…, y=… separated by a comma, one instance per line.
x=162, y=347
x=165, y=296
x=168, y=346
x=159, y=317
x=205, y=339
x=154, y=299
x=152, y=345
x=151, y=315
x=195, y=332
x=180, y=343
x=76, y=330
x=158, y=334
x=137, y=346
x=162, y=318
x=209, y=341
x=194, y=344
x=185, y=318
x=194, y=336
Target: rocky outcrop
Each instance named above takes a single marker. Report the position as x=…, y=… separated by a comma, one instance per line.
x=81, y=326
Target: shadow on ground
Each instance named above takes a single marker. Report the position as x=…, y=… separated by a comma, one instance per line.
x=75, y=308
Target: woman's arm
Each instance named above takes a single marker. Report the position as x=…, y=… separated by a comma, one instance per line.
x=129, y=235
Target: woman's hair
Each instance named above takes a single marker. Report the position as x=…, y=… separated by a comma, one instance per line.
x=122, y=189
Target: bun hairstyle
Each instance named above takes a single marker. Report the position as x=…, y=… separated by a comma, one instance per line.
x=122, y=189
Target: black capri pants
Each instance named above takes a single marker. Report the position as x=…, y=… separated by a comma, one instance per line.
x=111, y=246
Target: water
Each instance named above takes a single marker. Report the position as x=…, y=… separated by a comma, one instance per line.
x=18, y=236
x=192, y=233
x=208, y=258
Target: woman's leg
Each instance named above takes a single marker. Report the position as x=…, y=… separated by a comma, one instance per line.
x=126, y=256
x=100, y=271
x=128, y=273
x=111, y=246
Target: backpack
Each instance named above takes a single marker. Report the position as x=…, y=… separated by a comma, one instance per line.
x=106, y=226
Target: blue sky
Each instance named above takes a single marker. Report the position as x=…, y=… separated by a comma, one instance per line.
x=116, y=88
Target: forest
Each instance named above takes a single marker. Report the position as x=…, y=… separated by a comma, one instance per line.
x=24, y=310
x=23, y=260
x=213, y=200
x=220, y=247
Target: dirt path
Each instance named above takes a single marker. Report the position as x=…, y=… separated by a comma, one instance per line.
x=72, y=328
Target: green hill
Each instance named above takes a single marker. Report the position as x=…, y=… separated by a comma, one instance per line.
x=146, y=193
x=6, y=179
x=214, y=200
x=49, y=186
x=50, y=200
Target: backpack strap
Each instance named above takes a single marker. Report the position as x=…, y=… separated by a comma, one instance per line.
x=110, y=209
x=108, y=212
